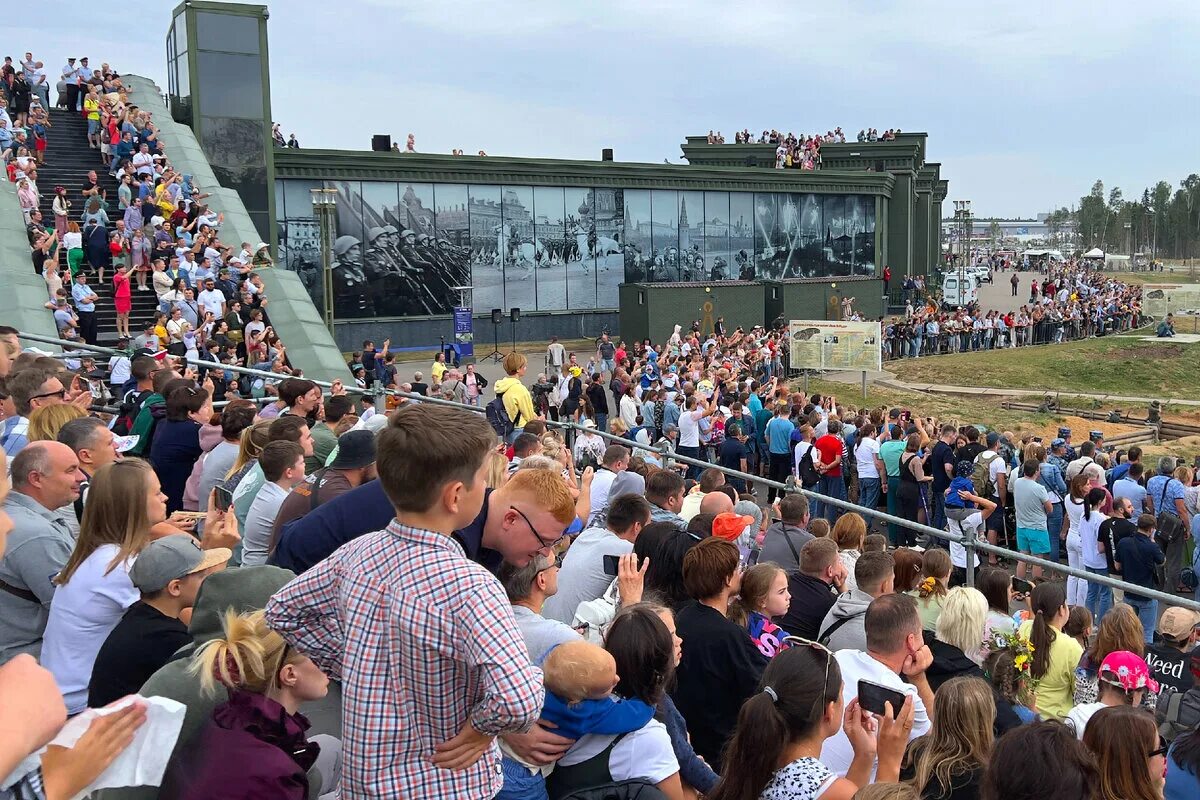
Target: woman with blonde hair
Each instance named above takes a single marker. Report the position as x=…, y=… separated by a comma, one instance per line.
x=253, y=440
x=254, y=744
x=497, y=470
x=1119, y=629
x=849, y=532
x=949, y=761
x=932, y=587
x=47, y=421
x=124, y=502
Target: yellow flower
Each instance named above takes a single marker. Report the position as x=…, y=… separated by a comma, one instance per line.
x=1019, y=661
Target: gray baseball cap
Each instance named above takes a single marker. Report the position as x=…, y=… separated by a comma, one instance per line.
x=171, y=557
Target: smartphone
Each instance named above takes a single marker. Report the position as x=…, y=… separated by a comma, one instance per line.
x=224, y=497
x=1022, y=586
x=872, y=696
x=610, y=565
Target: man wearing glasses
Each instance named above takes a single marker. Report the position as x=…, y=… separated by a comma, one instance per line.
x=30, y=390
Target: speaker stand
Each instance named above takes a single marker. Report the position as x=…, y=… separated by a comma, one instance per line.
x=496, y=356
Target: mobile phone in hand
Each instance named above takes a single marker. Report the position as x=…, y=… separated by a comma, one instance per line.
x=872, y=696
x=1021, y=586
x=610, y=565
x=223, y=498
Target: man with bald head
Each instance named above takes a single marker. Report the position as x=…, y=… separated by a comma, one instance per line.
x=716, y=503
x=45, y=477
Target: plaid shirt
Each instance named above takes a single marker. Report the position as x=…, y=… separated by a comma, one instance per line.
x=423, y=640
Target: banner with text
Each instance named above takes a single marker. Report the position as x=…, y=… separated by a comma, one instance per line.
x=824, y=344
x=464, y=335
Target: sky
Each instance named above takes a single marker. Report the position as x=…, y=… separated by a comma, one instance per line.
x=1026, y=103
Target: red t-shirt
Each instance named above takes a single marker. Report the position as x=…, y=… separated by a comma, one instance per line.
x=830, y=447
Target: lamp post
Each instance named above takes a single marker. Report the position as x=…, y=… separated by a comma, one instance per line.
x=324, y=202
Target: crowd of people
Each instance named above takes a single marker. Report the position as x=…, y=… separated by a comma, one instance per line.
x=804, y=151
x=1071, y=302
x=477, y=605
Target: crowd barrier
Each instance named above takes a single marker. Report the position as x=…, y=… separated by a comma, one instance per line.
x=970, y=546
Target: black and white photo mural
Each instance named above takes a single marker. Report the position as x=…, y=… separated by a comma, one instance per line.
x=403, y=247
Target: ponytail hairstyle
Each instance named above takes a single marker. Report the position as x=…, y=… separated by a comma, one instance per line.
x=248, y=658
x=253, y=439
x=935, y=568
x=1094, y=497
x=793, y=695
x=756, y=585
x=1046, y=599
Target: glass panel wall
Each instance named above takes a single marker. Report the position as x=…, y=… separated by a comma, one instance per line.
x=231, y=33
x=556, y=249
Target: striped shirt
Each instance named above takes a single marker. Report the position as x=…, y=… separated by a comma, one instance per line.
x=423, y=639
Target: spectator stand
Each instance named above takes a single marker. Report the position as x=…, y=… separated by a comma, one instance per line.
x=24, y=292
x=971, y=547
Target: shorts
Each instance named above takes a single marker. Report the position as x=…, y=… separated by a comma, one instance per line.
x=93, y=127
x=1032, y=540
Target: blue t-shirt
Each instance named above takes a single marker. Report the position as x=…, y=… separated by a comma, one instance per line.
x=779, y=433
x=960, y=485
x=1173, y=491
x=609, y=716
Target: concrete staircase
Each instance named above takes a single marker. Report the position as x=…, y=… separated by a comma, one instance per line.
x=68, y=159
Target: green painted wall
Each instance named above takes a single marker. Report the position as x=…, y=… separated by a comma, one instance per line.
x=900, y=226
x=649, y=309
x=23, y=291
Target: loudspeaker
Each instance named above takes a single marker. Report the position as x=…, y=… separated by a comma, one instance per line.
x=606, y=154
x=381, y=143
x=497, y=316
x=514, y=314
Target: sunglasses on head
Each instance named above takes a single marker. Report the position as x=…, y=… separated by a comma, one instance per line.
x=793, y=641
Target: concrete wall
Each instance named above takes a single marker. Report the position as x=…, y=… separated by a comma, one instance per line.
x=424, y=333
x=22, y=291
x=295, y=319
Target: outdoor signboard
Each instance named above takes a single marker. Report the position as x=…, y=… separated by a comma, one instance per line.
x=835, y=345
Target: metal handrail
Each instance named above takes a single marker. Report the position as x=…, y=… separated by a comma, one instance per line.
x=969, y=545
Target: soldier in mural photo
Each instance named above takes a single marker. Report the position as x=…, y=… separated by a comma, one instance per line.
x=351, y=291
x=745, y=266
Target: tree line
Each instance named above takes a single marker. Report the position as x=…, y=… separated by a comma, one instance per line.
x=1164, y=221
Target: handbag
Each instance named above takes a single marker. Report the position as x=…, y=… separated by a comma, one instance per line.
x=1170, y=528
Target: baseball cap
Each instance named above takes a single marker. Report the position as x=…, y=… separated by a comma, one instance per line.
x=172, y=557
x=1059, y=442
x=992, y=439
x=1127, y=670
x=963, y=469
x=1177, y=623
x=1064, y=432
x=356, y=449
x=729, y=526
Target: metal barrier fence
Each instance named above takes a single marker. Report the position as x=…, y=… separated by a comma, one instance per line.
x=970, y=546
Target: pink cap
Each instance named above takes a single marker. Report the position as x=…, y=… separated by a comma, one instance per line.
x=1127, y=670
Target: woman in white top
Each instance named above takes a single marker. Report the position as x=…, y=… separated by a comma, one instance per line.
x=645, y=653
x=1073, y=506
x=870, y=466
x=124, y=501
x=776, y=748
x=1099, y=598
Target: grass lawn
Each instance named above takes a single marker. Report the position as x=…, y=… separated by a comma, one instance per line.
x=1109, y=365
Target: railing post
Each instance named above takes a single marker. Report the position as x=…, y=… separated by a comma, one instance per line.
x=968, y=544
x=380, y=396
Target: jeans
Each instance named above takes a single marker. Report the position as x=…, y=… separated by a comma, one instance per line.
x=1054, y=521
x=1099, y=598
x=602, y=422
x=1147, y=611
x=868, y=494
x=693, y=471
x=830, y=487
x=520, y=783
x=939, y=514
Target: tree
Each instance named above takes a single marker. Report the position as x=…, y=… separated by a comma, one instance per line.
x=994, y=233
x=1160, y=217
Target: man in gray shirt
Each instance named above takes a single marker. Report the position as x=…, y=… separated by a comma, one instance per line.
x=582, y=576
x=528, y=588
x=783, y=540
x=45, y=477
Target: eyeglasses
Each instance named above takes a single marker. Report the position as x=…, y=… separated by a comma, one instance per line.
x=557, y=562
x=792, y=641
x=1162, y=748
x=61, y=394
x=545, y=544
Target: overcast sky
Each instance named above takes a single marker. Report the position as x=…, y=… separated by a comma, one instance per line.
x=1025, y=103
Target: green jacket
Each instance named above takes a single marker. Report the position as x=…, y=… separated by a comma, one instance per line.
x=143, y=422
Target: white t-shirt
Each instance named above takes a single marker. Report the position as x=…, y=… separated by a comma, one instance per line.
x=689, y=428
x=82, y=615
x=995, y=469
x=645, y=753
x=856, y=665
x=601, y=483
x=1077, y=717
x=212, y=300
x=972, y=526
x=801, y=449
x=260, y=523
x=1089, y=535
x=1074, y=514
x=865, y=452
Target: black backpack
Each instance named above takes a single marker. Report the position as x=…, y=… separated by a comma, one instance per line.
x=806, y=470
x=497, y=416
x=594, y=775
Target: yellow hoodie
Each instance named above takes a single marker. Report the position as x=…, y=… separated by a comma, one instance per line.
x=517, y=400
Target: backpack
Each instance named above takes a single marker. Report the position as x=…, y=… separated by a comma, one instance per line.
x=981, y=474
x=1171, y=727
x=497, y=416
x=806, y=470
x=595, y=777
x=128, y=412
x=593, y=617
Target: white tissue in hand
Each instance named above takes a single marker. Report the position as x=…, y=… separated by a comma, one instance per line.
x=145, y=760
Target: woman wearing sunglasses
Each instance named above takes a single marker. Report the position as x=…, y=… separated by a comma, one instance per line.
x=775, y=750
x=1131, y=756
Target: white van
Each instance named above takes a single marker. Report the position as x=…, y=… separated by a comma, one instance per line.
x=956, y=295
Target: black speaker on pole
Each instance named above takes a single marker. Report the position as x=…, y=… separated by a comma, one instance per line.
x=497, y=319
x=381, y=143
x=514, y=314
x=606, y=154
x=497, y=316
